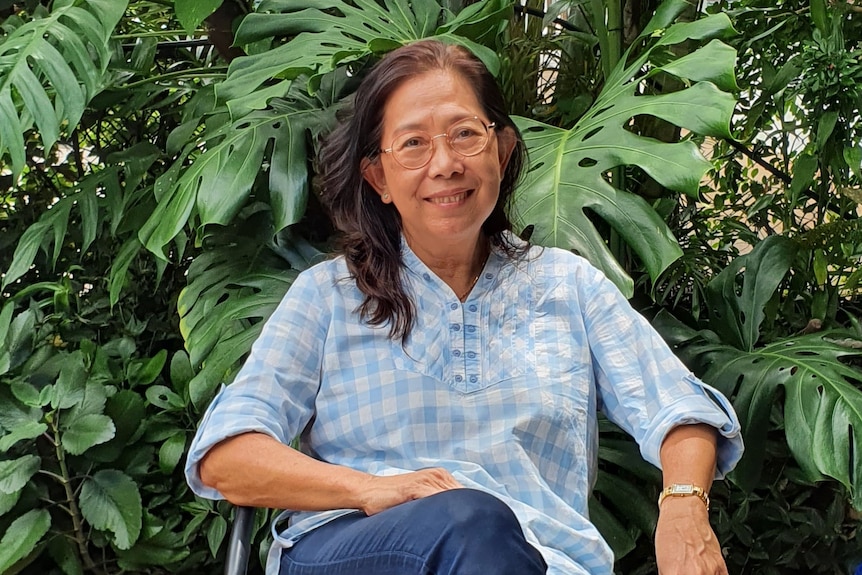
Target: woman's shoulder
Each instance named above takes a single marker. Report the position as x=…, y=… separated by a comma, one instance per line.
x=557, y=262
x=329, y=276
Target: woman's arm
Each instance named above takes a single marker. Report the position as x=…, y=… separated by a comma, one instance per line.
x=684, y=541
x=256, y=470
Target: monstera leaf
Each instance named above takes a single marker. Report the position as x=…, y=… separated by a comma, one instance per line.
x=737, y=300
x=329, y=33
x=233, y=287
x=822, y=391
x=567, y=173
x=50, y=68
x=822, y=397
x=219, y=182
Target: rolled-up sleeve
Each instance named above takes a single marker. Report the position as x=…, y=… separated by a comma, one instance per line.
x=274, y=392
x=642, y=386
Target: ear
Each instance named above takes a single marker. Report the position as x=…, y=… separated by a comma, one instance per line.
x=372, y=172
x=506, y=140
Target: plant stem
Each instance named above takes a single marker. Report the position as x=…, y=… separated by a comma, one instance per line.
x=194, y=72
x=74, y=511
x=158, y=34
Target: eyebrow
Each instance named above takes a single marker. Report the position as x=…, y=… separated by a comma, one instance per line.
x=419, y=127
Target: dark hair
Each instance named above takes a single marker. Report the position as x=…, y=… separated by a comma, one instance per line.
x=372, y=229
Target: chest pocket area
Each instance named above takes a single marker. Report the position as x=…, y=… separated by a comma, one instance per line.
x=508, y=342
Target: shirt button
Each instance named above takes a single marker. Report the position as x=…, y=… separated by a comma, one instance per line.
x=471, y=354
x=473, y=379
x=455, y=327
x=471, y=328
x=457, y=353
x=458, y=378
x=426, y=277
x=489, y=276
x=453, y=306
x=472, y=307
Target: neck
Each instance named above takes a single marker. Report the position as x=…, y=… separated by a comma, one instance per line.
x=457, y=265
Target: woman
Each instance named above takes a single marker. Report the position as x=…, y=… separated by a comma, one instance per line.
x=444, y=377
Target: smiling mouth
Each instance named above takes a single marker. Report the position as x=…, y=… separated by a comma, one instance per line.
x=454, y=199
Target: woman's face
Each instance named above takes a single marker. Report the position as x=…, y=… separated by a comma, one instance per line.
x=447, y=200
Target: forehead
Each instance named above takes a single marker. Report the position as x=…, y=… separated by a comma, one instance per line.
x=430, y=100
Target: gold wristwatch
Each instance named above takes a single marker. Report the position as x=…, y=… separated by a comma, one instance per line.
x=684, y=490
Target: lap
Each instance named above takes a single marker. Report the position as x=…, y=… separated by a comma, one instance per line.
x=457, y=531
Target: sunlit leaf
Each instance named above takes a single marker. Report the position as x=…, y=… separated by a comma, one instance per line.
x=567, y=178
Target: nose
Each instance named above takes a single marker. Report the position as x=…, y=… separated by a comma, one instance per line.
x=444, y=160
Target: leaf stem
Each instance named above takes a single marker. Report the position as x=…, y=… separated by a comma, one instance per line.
x=209, y=72
x=74, y=511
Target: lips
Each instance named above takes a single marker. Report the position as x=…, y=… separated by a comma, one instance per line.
x=449, y=199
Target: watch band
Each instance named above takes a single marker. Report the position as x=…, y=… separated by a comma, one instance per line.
x=684, y=490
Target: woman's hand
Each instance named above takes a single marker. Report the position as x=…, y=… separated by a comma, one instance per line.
x=382, y=492
x=684, y=541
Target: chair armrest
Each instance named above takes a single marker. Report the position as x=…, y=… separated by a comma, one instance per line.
x=239, y=544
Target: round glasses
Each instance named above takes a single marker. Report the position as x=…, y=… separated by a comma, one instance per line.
x=413, y=150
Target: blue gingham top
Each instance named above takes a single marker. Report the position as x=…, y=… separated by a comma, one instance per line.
x=502, y=390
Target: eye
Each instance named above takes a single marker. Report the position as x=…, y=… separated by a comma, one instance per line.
x=461, y=133
x=412, y=142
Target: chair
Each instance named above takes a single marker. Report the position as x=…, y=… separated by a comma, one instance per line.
x=239, y=543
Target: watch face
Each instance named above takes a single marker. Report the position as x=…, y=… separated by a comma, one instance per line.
x=682, y=490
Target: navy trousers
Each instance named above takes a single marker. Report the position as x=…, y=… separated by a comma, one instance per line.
x=457, y=532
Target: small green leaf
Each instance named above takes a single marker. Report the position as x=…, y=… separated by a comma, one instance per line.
x=22, y=536
x=65, y=554
x=191, y=13
x=8, y=501
x=71, y=384
x=29, y=430
x=171, y=452
x=13, y=414
x=804, y=169
x=145, y=372
x=118, y=276
x=825, y=128
x=92, y=402
x=164, y=398
x=86, y=431
x=853, y=157
x=820, y=264
x=181, y=373
x=110, y=501
x=215, y=533
x=15, y=473
x=25, y=393
x=820, y=16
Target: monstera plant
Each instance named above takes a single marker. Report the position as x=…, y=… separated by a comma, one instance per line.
x=812, y=373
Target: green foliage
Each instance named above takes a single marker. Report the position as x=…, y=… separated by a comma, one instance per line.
x=821, y=393
x=47, y=73
x=567, y=173
x=191, y=13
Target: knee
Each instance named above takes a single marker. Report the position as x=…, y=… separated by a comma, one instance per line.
x=482, y=535
x=477, y=512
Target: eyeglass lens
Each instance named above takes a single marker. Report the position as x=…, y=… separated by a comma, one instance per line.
x=414, y=149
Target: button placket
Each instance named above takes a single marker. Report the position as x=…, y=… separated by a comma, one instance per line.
x=456, y=345
x=472, y=347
